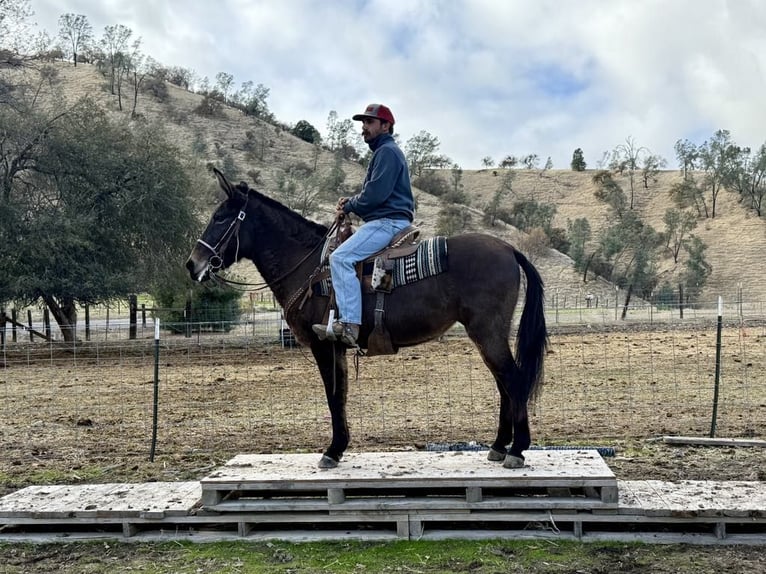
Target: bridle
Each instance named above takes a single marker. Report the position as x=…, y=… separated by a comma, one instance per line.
x=215, y=262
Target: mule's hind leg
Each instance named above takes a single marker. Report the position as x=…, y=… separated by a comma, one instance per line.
x=512, y=422
x=498, y=451
x=331, y=360
x=513, y=427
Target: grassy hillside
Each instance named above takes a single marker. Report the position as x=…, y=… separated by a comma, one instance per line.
x=736, y=238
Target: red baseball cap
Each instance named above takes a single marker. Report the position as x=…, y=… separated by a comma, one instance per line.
x=378, y=111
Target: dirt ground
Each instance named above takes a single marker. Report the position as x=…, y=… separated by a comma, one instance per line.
x=85, y=415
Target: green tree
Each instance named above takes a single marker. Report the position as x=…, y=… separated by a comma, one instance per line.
x=650, y=168
x=687, y=155
x=421, y=151
x=508, y=162
x=253, y=101
x=75, y=32
x=528, y=214
x=677, y=226
x=610, y=192
x=92, y=210
x=749, y=178
x=452, y=220
x=333, y=184
x=641, y=274
x=579, y=234
x=578, y=160
x=432, y=181
x=456, y=193
x=687, y=193
x=306, y=132
x=696, y=268
x=530, y=161
x=211, y=307
x=494, y=208
x=718, y=158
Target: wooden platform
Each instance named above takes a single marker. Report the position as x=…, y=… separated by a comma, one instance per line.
x=379, y=496
x=555, y=478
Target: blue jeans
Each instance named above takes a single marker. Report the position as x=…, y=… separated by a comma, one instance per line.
x=366, y=241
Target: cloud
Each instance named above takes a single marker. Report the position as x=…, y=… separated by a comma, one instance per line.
x=485, y=77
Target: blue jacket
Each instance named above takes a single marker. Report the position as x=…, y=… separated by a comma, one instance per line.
x=386, y=191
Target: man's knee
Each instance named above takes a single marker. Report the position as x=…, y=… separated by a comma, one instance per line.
x=341, y=260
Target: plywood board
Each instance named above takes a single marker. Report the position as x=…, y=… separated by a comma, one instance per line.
x=122, y=500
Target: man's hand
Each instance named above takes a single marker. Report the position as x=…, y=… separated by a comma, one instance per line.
x=339, y=207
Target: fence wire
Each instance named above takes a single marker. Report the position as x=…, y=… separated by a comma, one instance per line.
x=246, y=391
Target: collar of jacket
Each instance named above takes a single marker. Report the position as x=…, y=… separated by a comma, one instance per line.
x=379, y=140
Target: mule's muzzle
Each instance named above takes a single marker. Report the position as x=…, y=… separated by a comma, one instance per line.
x=199, y=271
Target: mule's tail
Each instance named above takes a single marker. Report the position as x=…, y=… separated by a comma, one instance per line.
x=532, y=338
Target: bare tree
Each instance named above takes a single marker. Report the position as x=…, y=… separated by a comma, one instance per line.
x=141, y=67
x=338, y=132
x=115, y=44
x=224, y=82
x=625, y=161
x=76, y=32
x=14, y=25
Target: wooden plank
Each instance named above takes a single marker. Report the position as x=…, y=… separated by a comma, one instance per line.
x=120, y=500
x=629, y=502
x=407, y=504
x=713, y=499
x=576, y=469
x=649, y=499
x=708, y=441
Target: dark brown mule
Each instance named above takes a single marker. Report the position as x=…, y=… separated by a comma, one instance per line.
x=479, y=290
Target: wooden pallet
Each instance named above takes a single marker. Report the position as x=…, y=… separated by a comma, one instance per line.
x=118, y=507
x=386, y=496
x=404, y=481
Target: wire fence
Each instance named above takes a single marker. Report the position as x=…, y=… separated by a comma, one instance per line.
x=247, y=389
x=261, y=318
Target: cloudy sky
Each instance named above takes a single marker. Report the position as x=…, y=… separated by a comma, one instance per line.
x=487, y=77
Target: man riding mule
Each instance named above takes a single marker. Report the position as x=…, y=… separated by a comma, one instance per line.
x=479, y=287
x=385, y=204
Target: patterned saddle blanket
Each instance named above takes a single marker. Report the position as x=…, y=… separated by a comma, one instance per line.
x=391, y=269
x=398, y=266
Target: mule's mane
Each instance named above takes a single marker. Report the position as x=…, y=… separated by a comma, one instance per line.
x=291, y=223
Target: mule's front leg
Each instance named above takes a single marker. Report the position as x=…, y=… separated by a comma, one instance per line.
x=331, y=360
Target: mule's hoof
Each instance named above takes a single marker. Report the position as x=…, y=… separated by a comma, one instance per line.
x=495, y=455
x=327, y=462
x=512, y=461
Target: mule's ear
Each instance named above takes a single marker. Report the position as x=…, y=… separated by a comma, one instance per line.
x=225, y=184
